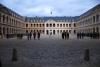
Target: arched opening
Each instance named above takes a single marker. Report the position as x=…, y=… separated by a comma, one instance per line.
x=50, y=25
x=97, y=29
x=54, y=25
x=4, y=30
x=47, y=32
x=53, y=32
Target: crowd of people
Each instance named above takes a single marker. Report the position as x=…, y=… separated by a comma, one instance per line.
x=65, y=35
x=93, y=35
x=35, y=35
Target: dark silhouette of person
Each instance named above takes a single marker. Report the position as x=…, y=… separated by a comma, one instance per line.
x=34, y=35
x=0, y=63
x=67, y=35
x=38, y=35
x=63, y=35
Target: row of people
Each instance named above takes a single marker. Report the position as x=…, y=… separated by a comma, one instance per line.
x=94, y=35
x=65, y=35
x=35, y=34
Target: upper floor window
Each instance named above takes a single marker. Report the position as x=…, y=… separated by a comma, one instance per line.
x=34, y=25
x=37, y=25
x=93, y=18
x=46, y=25
x=69, y=25
x=63, y=25
x=97, y=18
x=60, y=25
x=40, y=25
x=43, y=25
x=74, y=25
x=26, y=25
x=50, y=25
x=53, y=25
x=31, y=25
x=3, y=18
x=66, y=25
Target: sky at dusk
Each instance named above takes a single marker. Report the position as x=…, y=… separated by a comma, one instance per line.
x=45, y=7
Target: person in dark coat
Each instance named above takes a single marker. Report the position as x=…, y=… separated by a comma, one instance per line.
x=0, y=63
x=67, y=35
x=38, y=35
x=34, y=35
x=62, y=35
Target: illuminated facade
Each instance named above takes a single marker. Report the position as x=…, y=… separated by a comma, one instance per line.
x=51, y=25
x=13, y=23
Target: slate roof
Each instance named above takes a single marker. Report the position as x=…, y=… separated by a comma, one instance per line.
x=8, y=11
x=89, y=12
x=56, y=19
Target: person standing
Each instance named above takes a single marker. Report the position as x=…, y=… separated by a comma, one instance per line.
x=38, y=35
x=67, y=35
x=34, y=35
x=62, y=35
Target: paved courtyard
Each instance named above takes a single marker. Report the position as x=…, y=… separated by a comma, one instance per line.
x=50, y=52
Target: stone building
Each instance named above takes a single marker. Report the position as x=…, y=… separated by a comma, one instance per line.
x=50, y=25
x=13, y=23
x=10, y=22
x=89, y=22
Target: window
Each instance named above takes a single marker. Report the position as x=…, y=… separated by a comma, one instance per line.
x=63, y=25
x=54, y=32
x=93, y=18
x=74, y=31
x=74, y=25
x=58, y=31
x=53, y=25
x=69, y=25
x=26, y=31
x=43, y=25
x=37, y=25
x=31, y=25
x=40, y=25
x=4, y=18
x=66, y=25
x=97, y=18
x=69, y=31
x=57, y=25
x=46, y=25
x=50, y=25
x=47, y=32
x=26, y=25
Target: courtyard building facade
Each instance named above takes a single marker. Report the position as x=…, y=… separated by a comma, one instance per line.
x=51, y=25
x=13, y=23
x=10, y=22
x=89, y=22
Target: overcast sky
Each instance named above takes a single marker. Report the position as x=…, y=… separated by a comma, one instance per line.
x=45, y=7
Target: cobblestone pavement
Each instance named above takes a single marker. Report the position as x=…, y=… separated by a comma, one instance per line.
x=48, y=52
